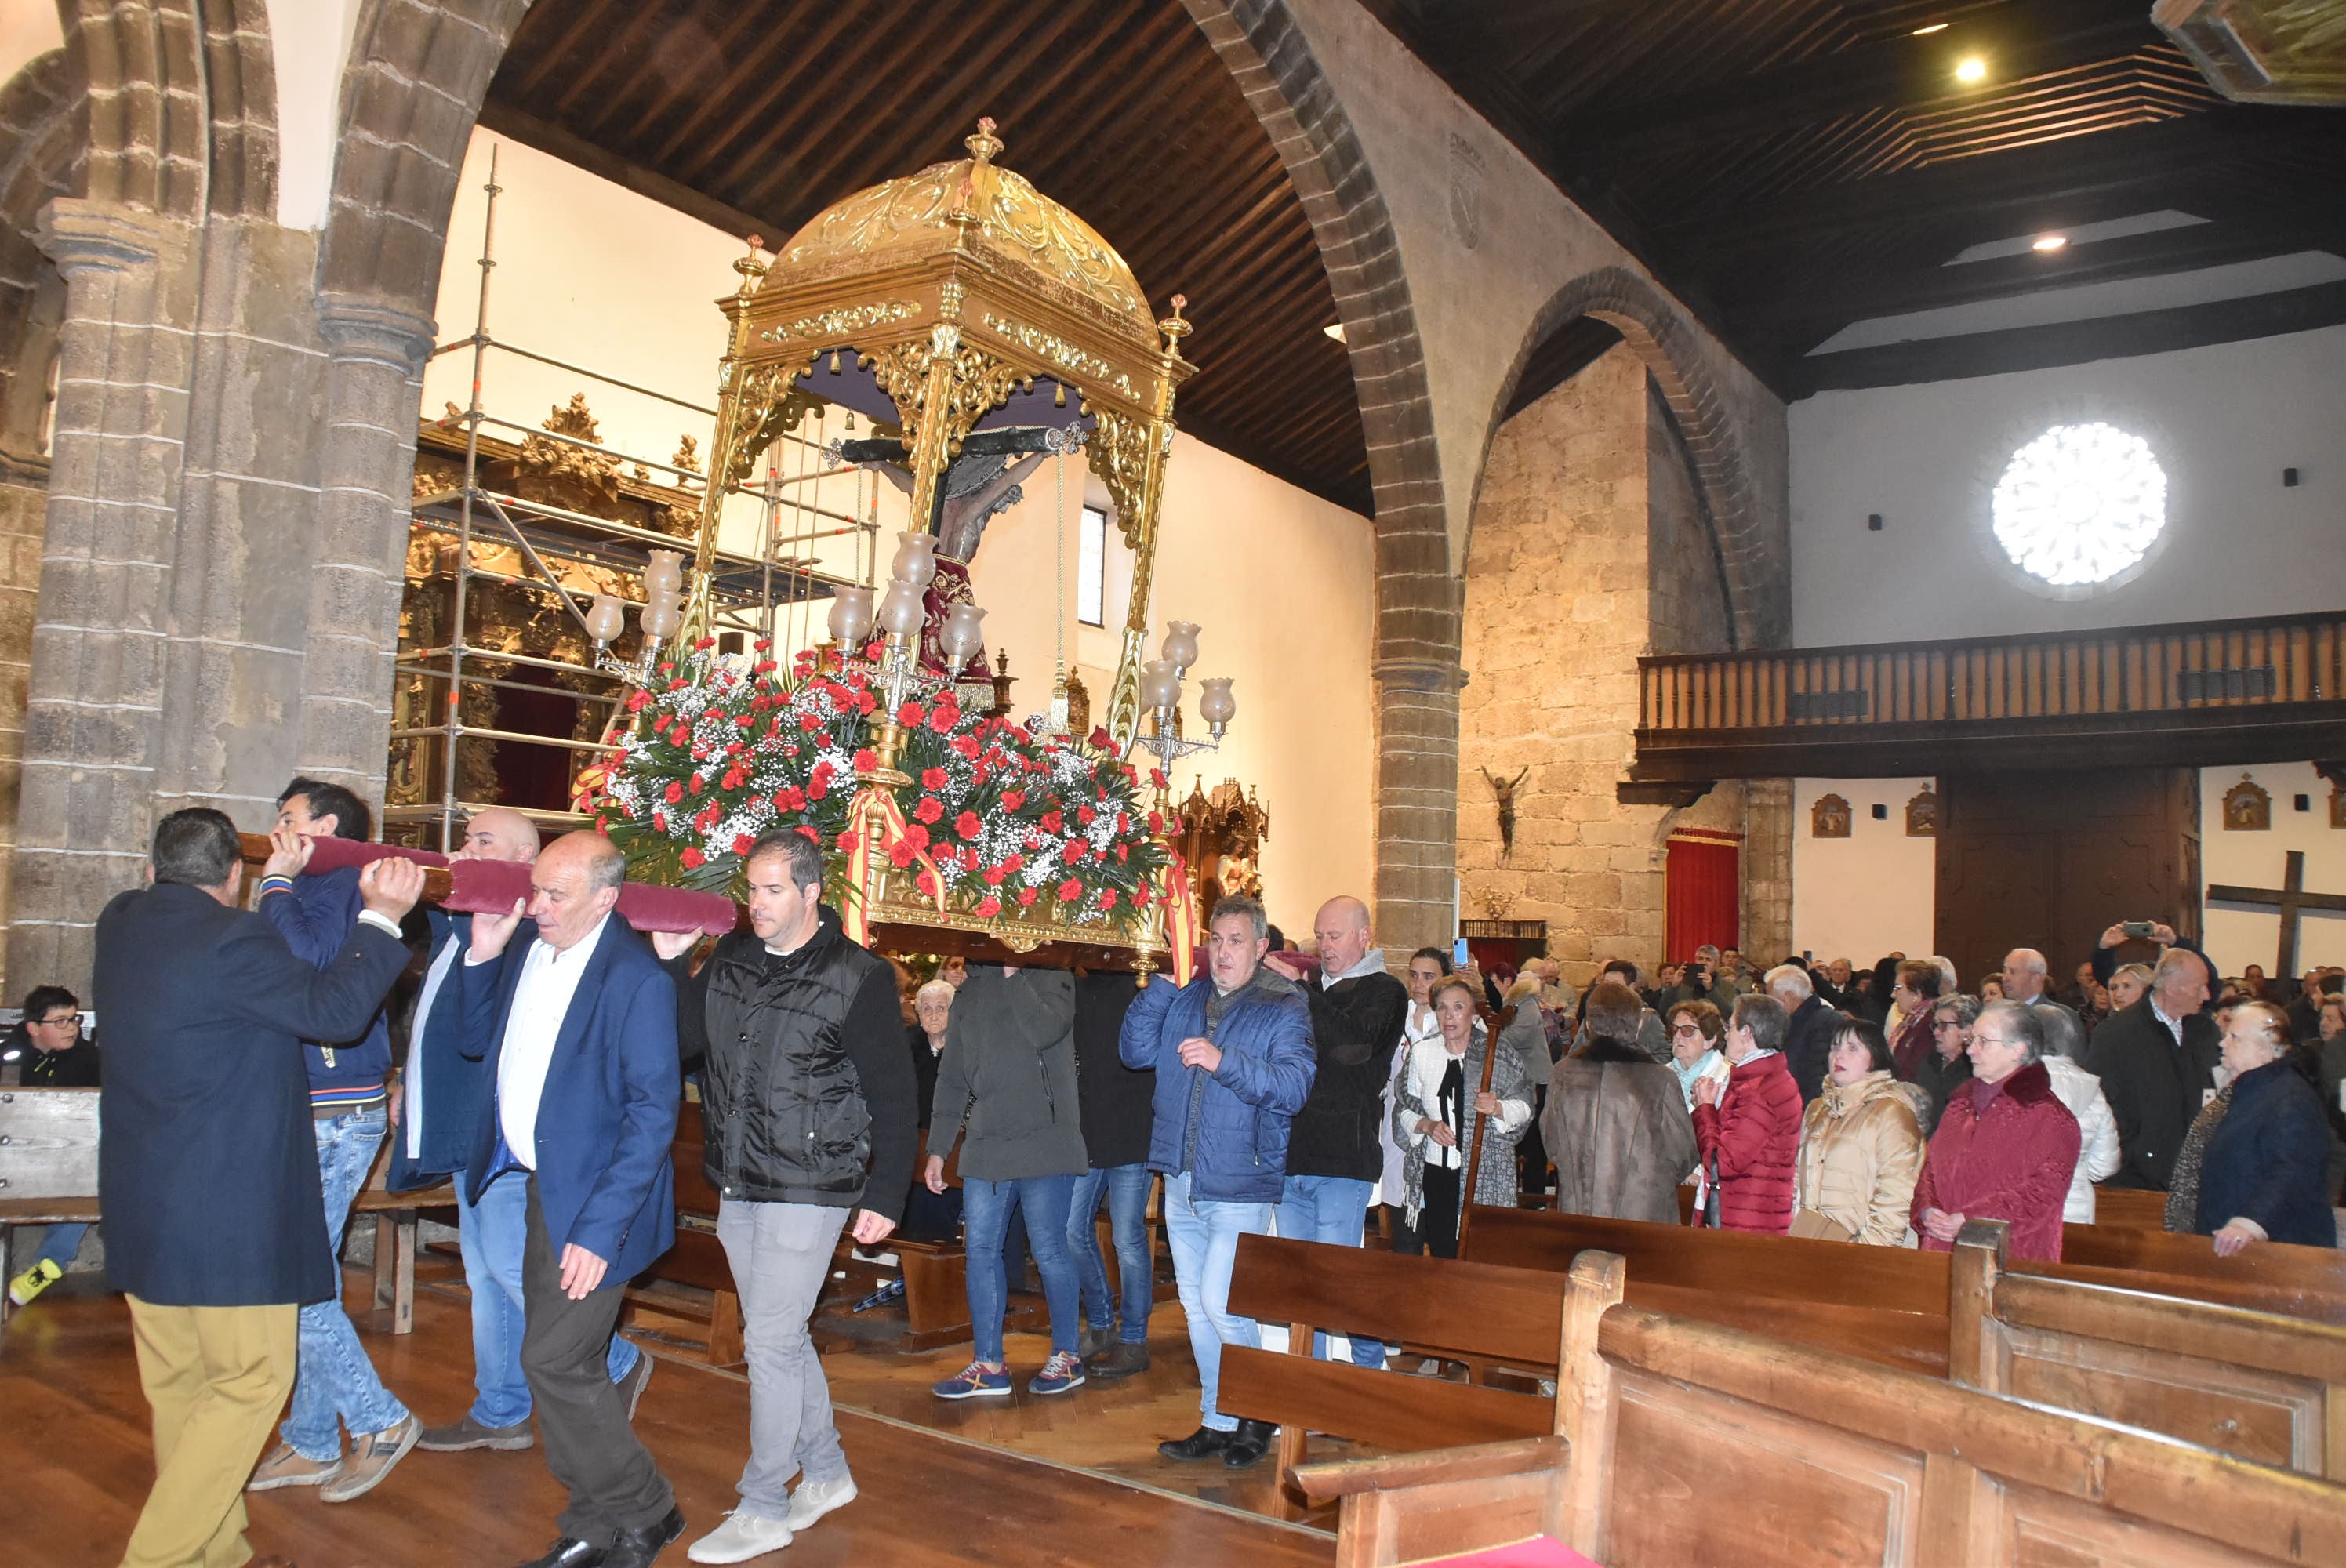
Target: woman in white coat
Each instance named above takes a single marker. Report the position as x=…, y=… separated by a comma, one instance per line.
x=2097, y=1129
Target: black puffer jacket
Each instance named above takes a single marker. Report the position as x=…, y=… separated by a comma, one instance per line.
x=806, y=1091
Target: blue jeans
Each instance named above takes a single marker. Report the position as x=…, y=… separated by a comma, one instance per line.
x=60, y=1244
x=1333, y=1209
x=1127, y=1187
x=1204, y=1238
x=335, y=1381
x=490, y=1235
x=985, y=1216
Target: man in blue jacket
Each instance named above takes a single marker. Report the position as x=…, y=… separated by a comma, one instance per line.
x=578, y=1029
x=206, y=1173
x=436, y=1116
x=1234, y=1060
x=350, y=1099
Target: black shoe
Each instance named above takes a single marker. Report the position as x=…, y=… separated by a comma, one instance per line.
x=571, y=1553
x=1122, y=1360
x=1203, y=1443
x=1249, y=1445
x=636, y=1548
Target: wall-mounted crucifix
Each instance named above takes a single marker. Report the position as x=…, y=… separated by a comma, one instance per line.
x=2290, y=898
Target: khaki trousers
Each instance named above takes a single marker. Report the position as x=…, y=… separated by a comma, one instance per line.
x=216, y=1378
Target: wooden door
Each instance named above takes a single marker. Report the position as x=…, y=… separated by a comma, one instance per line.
x=2047, y=860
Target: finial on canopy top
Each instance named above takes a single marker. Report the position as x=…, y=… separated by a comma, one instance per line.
x=752, y=266
x=1173, y=326
x=984, y=144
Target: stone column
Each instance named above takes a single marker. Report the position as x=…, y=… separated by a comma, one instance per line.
x=93, y=711
x=376, y=351
x=1417, y=803
x=1767, y=869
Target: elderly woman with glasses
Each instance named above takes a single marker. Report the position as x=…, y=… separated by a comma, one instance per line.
x=1696, y=1031
x=2005, y=1145
x=1946, y=1066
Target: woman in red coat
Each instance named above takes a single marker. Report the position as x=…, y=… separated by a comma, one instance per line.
x=1747, y=1130
x=2005, y=1145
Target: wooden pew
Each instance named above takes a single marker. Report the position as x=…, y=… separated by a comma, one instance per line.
x=1679, y=1442
x=1463, y=1312
x=2254, y=1385
x=2128, y=1209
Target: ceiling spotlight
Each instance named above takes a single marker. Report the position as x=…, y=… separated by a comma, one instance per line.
x=1934, y=27
x=1971, y=69
x=2050, y=242
x=1334, y=330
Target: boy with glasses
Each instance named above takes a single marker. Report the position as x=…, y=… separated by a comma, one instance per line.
x=54, y=1056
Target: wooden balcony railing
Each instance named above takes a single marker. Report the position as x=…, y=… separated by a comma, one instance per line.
x=2206, y=692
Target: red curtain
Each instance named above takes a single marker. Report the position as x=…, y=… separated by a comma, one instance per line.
x=1702, y=891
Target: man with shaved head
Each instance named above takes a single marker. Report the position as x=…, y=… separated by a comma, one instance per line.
x=576, y=1027
x=1333, y=1157
x=444, y=1097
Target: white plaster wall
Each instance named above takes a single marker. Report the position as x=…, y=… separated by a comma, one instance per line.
x=2238, y=935
x=28, y=28
x=1870, y=893
x=312, y=42
x=2224, y=422
x=1282, y=582
x=1474, y=305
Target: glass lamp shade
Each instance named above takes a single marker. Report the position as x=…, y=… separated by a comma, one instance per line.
x=1216, y=706
x=916, y=558
x=1160, y=687
x=1181, y=644
x=662, y=616
x=901, y=612
x=663, y=572
x=605, y=619
x=850, y=615
x=963, y=635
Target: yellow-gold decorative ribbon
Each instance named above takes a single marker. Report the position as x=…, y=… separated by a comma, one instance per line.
x=873, y=803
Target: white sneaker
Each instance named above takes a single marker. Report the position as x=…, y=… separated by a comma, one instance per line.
x=814, y=1499
x=742, y=1537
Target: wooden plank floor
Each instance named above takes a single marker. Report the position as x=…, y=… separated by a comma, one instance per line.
x=1073, y=1481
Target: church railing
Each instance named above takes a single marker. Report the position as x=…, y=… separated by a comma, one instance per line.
x=2275, y=682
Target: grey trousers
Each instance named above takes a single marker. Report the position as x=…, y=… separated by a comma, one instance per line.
x=781, y=1254
x=565, y=1348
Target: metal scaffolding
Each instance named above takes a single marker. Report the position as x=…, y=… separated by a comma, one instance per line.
x=767, y=595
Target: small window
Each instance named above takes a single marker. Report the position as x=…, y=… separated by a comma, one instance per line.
x=1091, y=568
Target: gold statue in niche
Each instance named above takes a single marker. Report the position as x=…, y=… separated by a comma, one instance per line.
x=1828, y=818
x=2247, y=807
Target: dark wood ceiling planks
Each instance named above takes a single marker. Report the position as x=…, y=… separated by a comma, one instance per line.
x=766, y=113
x=1789, y=167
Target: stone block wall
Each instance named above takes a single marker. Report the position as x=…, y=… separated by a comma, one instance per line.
x=1589, y=547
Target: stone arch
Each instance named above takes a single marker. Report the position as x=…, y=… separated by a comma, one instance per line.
x=41, y=153
x=1418, y=601
x=1658, y=331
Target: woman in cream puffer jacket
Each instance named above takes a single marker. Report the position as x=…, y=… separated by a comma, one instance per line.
x=1860, y=1146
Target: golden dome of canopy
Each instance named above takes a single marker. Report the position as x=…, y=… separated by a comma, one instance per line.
x=923, y=214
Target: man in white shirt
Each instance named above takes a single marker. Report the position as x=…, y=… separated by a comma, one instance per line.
x=578, y=1029
x=438, y=1107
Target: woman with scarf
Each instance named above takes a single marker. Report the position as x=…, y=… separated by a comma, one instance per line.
x=1438, y=1101
x=1860, y=1146
x=1428, y=966
x=1696, y=1031
x=2005, y=1145
x=2253, y=1166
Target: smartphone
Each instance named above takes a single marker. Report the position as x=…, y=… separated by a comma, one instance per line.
x=2142, y=928
x=1458, y=956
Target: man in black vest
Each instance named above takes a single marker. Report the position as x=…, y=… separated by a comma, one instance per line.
x=807, y=1102
x=207, y=1171
x=1333, y=1158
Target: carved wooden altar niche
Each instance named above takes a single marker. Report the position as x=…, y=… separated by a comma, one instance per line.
x=1221, y=840
x=2248, y=807
x=560, y=473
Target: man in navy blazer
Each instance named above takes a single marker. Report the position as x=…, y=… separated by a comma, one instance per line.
x=436, y=1114
x=207, y=1173
x=579, y=1028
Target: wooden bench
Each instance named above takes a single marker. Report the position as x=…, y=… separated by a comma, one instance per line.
x=2255, y=1385
x=2130, y=1208
x=1677, y=1442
